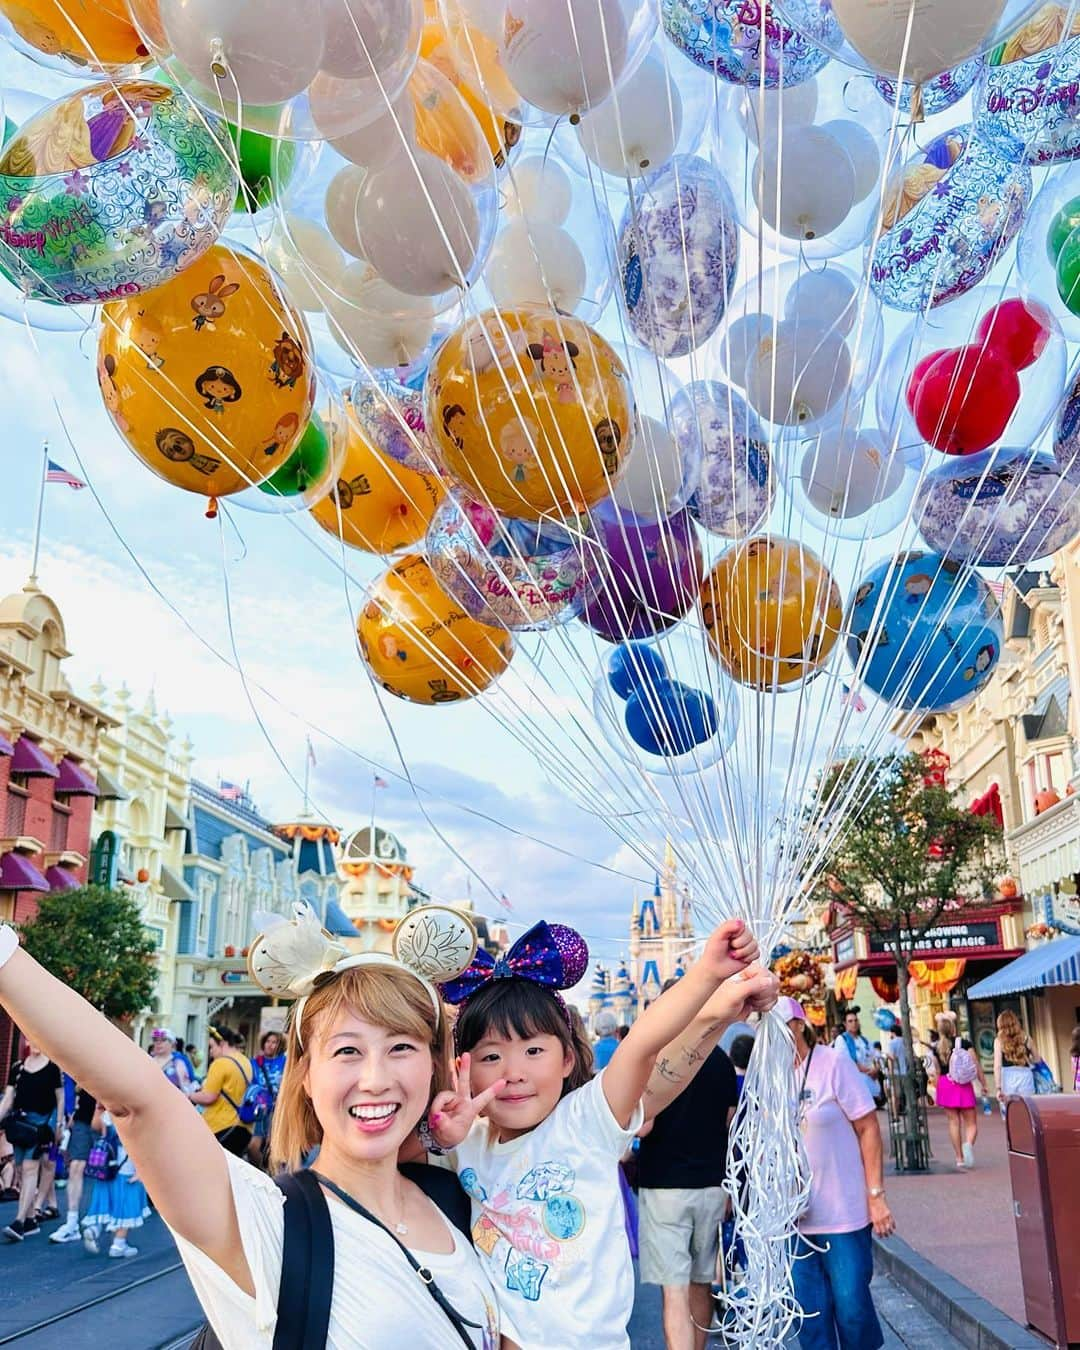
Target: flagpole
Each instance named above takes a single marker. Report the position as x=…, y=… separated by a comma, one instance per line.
x=307, y=775
x=40, y=511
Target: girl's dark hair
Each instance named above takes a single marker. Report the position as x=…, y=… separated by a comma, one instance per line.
x=521, y=1008
x=741, y=1048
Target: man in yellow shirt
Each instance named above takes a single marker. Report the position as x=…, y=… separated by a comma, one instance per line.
x=223, y=1090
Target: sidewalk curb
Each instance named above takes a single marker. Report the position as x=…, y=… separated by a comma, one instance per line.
x=974, y=1321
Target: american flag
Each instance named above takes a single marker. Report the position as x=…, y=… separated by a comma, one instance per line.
x=56, y=473
x=505, y=902
x=380, y=782
x=230, y=792
x=852, y=699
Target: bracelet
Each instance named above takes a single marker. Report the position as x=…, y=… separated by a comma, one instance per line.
x=9, y=943
x=423, y=1132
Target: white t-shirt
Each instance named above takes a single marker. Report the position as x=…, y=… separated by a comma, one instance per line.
x=548, y=1224
x=378, y=1301
x=833, y=1095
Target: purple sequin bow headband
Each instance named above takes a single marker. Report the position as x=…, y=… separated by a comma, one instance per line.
x=551, y=955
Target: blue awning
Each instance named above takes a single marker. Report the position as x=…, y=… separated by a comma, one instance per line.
x=1056, y=962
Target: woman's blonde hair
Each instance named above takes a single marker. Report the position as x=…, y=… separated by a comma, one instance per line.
x=1013, y=1039
x=382, y=995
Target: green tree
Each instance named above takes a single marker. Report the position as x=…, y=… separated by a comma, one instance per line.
x=901, y=855
x=94, y=940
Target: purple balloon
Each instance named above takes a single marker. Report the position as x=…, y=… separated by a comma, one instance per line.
x=646, y=574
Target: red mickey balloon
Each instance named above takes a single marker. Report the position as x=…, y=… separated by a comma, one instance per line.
x=1016, y=329
x=963, y=403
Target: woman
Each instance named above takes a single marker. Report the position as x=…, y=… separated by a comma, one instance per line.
x=1013, y=1057
x=81, y=1139
x=269, y=1066
x=164, y=1054
x=847, y=1195
x=957, y=1099
x=224, y=1089
x=366, y=1051
x=34, y=1101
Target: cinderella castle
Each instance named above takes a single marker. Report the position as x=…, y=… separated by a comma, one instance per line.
x=661, y=946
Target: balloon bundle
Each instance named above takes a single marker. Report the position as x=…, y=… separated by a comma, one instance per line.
x=672, y=377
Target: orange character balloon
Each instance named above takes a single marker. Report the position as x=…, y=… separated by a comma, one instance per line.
x=532, y=411
x=208, y=377
x=95, y=35
x=378, y=505
x=772, y=612
x=435, y=129
x=421, y=645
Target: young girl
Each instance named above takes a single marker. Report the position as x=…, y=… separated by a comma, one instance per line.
x=541, y=1166
x=118, y=1204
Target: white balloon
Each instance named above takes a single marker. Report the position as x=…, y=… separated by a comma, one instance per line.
x=827, y=297
x=862, y=150
x=638, y=127
x=937, y=34
x=653, y=478
x=564, y=55
x=373, y=322
x=342, y=195
x=797, y=375
x=539, y=190
x=419, y=223
x=740, y=342
x=794, y=106
x=270, y=49
x=814, y=177
x=846, y=472
x=391, y=133
x=534, y=263
x=303, y=253
x=487, y=15
x=368, y=37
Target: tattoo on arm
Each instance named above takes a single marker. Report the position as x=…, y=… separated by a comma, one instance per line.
x=666, y=1072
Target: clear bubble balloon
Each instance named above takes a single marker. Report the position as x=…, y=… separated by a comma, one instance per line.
x=391, y=416
x=638, y=127
x=736, y=41
x=847, y=483
x=517, y=574
x=934, y=96
x=1027, y=100
x=1001, y=508
x=85, y=41
x=1054, y=213
x=949, y=215
x=734, y=488
x=923, y=632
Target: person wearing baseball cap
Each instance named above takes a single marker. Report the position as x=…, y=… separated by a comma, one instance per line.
x=834, y=1252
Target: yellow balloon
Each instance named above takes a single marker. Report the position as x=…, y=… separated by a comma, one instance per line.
x=378, y=505
x=435, y=126
x=92, y=34
x=208, y=377
x=532, y=411
x=421, y=645
x=772, y=612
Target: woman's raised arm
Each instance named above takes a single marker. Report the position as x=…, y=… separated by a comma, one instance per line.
x=179, y=1160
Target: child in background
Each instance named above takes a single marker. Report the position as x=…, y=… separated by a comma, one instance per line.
x=118, y=1199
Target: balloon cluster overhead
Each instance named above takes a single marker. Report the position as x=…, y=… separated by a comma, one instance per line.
x=674, y=376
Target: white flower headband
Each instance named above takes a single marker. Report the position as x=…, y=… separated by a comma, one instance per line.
x=293, y=957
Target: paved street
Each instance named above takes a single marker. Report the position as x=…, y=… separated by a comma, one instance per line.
x=963, y=1221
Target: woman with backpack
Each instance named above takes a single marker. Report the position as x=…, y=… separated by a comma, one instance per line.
x=224, y=1090
x=1014, y=1058
x=118, y=1200
x=359, y=1255
x=958, y=1071
x=269, y=1066
x=32, y=1112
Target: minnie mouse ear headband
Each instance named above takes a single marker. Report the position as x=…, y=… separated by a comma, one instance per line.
x=551, y=955
x=296, y=956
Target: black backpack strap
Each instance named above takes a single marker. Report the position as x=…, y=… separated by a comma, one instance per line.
x=307, y=1265
x=443, y=1189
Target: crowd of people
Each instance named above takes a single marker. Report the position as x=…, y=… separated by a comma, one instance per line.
x=571, y=1155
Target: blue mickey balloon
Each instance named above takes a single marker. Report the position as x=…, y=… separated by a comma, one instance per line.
x=633, y=666
x=735, y=38
x=669, y=718
x=922, y=635
x=999, y=508
x=937, y=94
x=949, y=215
x=884, y=1019
x=678, y=255
x=1027, y=101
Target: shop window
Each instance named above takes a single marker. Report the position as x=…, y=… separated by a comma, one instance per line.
x=1054, y=772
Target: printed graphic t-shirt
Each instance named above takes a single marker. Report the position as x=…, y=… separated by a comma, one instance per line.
x=548, y=1224
x=377, y=1300
x=835, y=1096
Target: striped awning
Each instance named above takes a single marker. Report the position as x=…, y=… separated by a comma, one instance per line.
x=1053, y=963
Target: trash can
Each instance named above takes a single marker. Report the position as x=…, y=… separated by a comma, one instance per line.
x=1044, y=1165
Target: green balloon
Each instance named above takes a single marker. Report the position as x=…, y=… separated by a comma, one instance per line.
x=266, y=166
x=1062, y=225
x=1068, y=272
x=306, y=466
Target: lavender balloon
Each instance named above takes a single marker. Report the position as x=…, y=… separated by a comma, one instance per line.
x=678, y=254
x=735, y=486
x=998, y=508
x=647, y=574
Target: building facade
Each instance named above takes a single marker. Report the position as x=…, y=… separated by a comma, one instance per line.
x=49, y=750
x=377, y=888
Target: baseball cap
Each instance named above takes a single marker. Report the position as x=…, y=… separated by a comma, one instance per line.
x=789, y=1009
